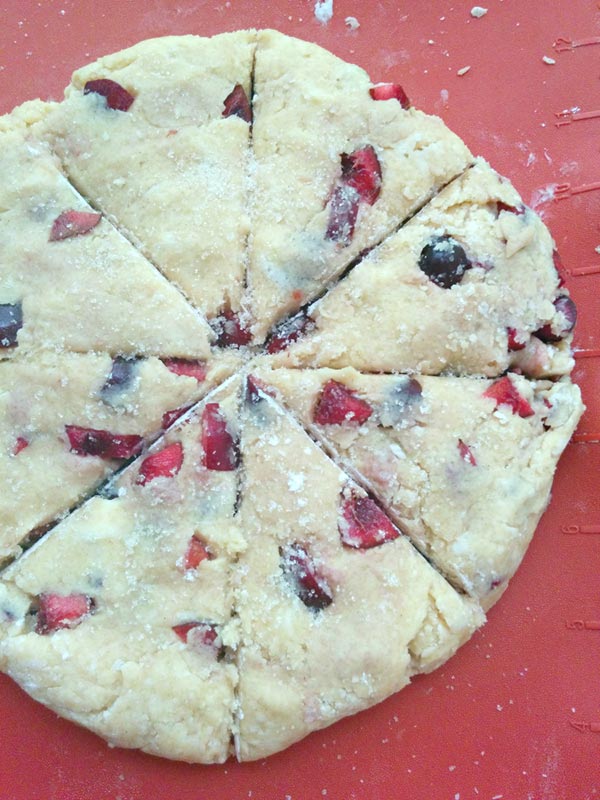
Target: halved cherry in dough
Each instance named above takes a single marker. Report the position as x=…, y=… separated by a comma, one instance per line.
x=306, y=579
x=166, y=463
x=504, y=392
x=221, y=451
x=363, y=524
x=58, y=611
x=338, y=404
x=92, y=442
x=116, y=96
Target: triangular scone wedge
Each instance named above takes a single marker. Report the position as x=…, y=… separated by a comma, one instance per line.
x=69, y=280
x=117, y=618
x=463, y=465
x=68, y=421
x=336, y=171
x=326, y=629
x=170, y=169
x=469, y=285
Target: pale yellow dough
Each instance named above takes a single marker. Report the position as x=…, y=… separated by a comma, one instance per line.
x=88, y=292
x=123, y=672
x=474, y=521
x=208, y=227
x=39, y=399
x=392, y=614
x=310, y=107
x=387, y=315
x=171, y=171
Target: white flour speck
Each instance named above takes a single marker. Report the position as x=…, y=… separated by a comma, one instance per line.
x=324, y=11
x=548, y=60
x=478, y=12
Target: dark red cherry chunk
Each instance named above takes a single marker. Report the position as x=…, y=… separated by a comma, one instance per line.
x=444, y=261
x=236, y=104
x=288, y=332
x=169, y=417
x=514, y=341
x=166, y=463
x=568, y=310
x=221, y=451
x=92, y=442
x=117, y=98
x=229, y=330
x=361, y=170
x=58, y=611
x=390, y=91
x=11, y=322
x=303, y=574
x=343, y=212
x=466, y=453
x=73, y=223
x=199, y=636
x=338, y=404
x=188, y=367
x=196, y=552
x=504, y=392
x=363, y=524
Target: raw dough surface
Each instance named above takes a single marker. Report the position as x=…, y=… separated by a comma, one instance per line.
x=183, y=568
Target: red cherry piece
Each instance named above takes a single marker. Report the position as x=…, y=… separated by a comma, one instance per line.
x=196, y=552
x=361, y=171
x=91, y=442
x=11, y=322
x=337, y=404
x=20, y=445
x=73, y=223
x=198, y=636
x=230, y=331
x=58, y=611
x=301, y=571
x=169, y=417
x=363, y=524
x=518, y=210
x=188, y=367
x=343, y=211
x=164, y=464
x=117, y=98
x=568, y=310
x=390, y=91
x=221, y=452
x=236, y=104
x=288, y=332
x=560, y=268
x=466, y=453
x=514, y=342
x=255, y=388
x=504, y=392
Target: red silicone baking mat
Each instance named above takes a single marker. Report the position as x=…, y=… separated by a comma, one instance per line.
x=516, y=714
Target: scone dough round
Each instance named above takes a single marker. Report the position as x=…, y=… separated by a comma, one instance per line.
x=284, y=381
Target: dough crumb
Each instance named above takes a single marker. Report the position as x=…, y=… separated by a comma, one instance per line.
x=462, y=71
x=478, y=12
x=352, y=23
x=548, y=60
x=324, y=11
